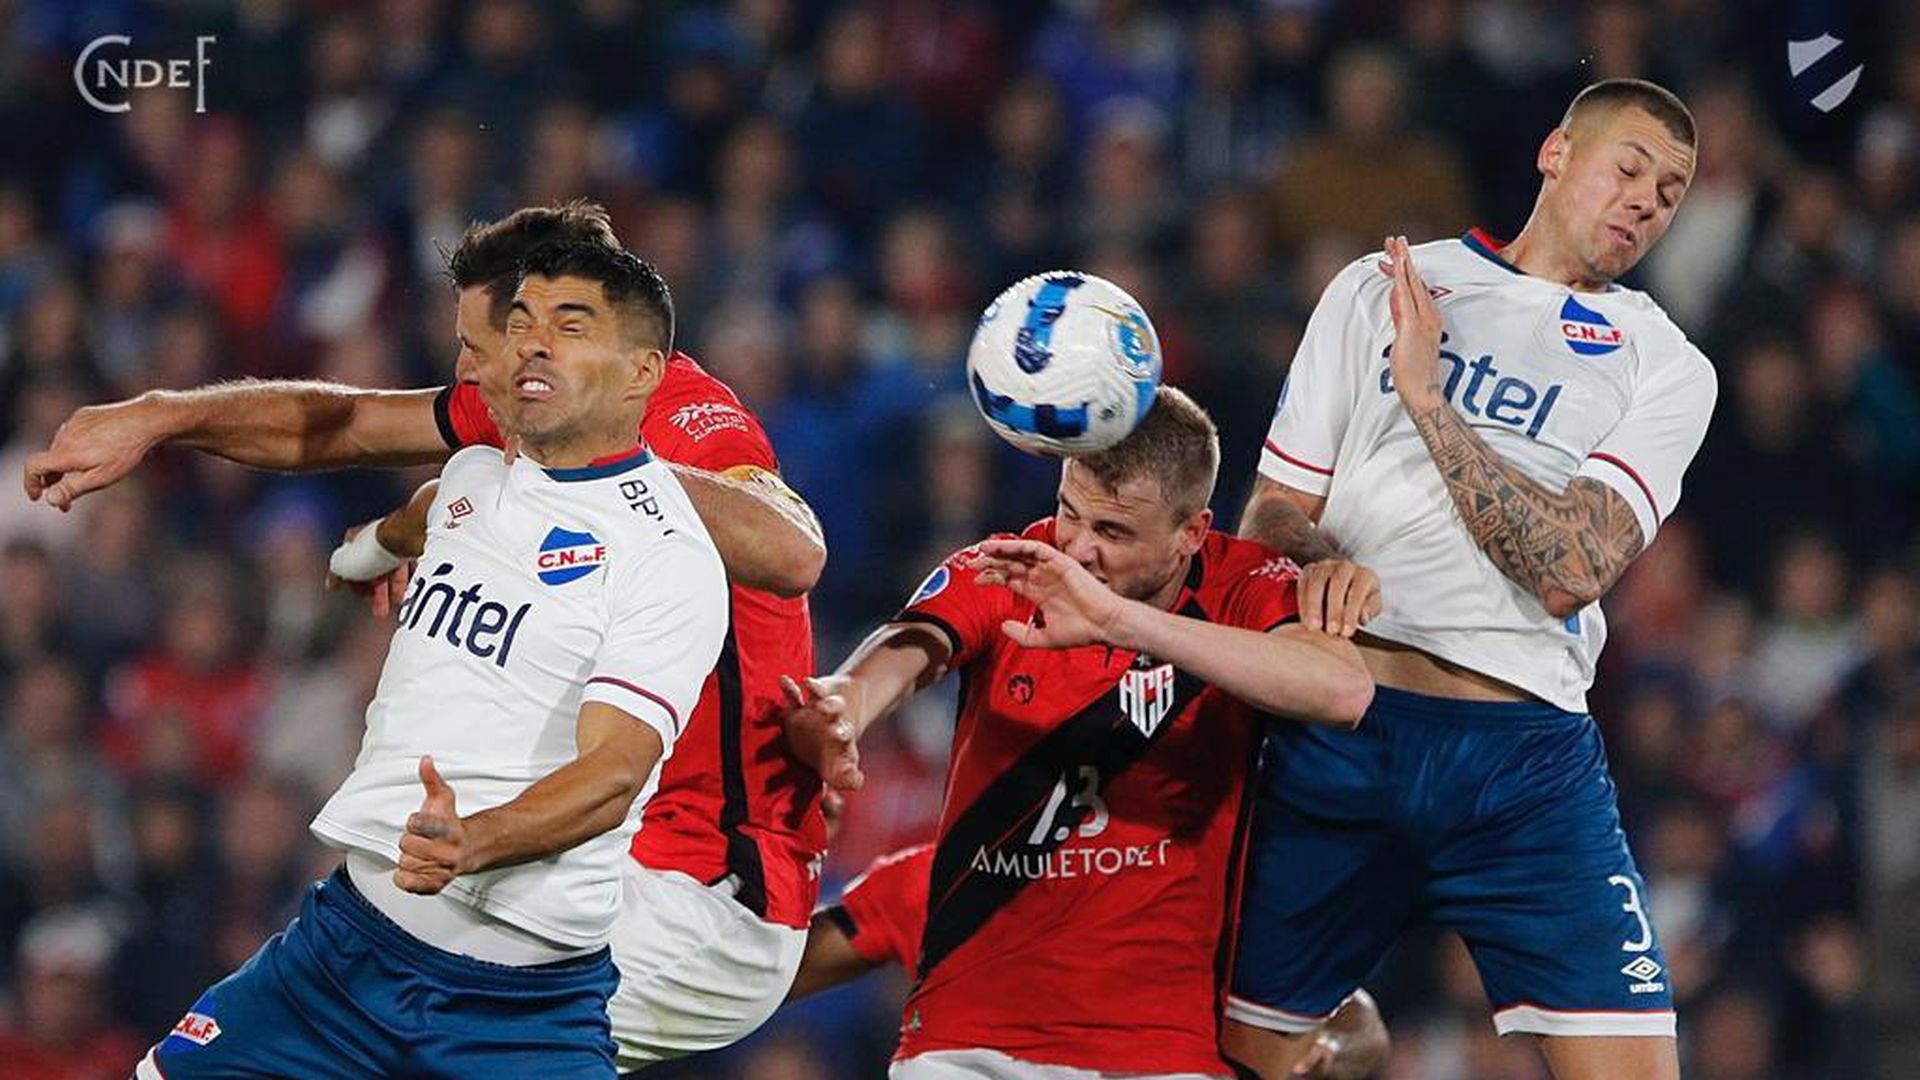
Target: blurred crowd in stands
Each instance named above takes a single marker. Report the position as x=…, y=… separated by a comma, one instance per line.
x=834, y=191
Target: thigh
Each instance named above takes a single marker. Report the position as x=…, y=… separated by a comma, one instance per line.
x=698, y=971
x=284, y=1013
x=1545, y=892
x=1611, y=1057
x=1329, y=883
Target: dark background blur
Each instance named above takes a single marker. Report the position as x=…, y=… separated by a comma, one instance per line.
x=834, y=190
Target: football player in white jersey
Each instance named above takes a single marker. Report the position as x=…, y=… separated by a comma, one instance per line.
x=1493, y=432
x=568, y=607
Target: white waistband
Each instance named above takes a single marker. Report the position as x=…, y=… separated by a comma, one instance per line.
x=449, y=924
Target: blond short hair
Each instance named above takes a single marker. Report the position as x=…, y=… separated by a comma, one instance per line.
x=1176, y=446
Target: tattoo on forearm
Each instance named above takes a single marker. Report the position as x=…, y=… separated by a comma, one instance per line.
x=1566, y=548
x=1285, y=528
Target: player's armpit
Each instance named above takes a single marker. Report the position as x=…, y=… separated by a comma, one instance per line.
x=766, y=534
x=1567, y=548
x=1283, y=518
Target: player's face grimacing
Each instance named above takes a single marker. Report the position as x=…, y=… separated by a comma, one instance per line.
x=1127, y=537
x=567, y=371
x=1614, y=182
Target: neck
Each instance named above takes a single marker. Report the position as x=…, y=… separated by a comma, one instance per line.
x=1533, y=254
x=579, y=449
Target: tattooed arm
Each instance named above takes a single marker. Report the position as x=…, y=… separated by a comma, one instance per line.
x=1568, y=547
x=1337, y=595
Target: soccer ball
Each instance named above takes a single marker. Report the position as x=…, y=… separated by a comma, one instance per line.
x=1064, y=363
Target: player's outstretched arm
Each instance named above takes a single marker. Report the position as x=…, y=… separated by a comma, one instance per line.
x=829, y=960
x=826, y=715
x=767, y=535
x=573, y=804
x=1568, y=547
x=270, y=425
x=1289, y=670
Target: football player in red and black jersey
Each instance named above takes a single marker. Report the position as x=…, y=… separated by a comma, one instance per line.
x=878, y=920
x=725, y=874
x=1119, y=662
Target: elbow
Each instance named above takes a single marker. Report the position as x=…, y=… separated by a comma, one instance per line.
x=800, y=569
x=1351, y=700
x=1563, y=604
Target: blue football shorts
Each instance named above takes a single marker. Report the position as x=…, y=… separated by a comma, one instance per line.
x=343, y=993
x=1495, y=820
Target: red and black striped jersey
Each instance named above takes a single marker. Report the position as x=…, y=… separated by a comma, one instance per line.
x=1087, y=852
x=732, y=799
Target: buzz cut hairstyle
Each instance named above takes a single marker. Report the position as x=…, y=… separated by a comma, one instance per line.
x=1176, y=446
x=1611, y=95
x=636, y=290
x=489, y=253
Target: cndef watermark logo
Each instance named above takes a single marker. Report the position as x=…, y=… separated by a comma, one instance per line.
x=107, y=74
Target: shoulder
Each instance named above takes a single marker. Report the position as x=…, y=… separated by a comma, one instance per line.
x=691, y=403
x=473, y=464
x=1665, y=351
x=1231, y=560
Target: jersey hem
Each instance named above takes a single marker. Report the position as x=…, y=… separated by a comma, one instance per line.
x=345, y=838
x=1573, y=703
x=1114, y=1059
x=1534, y=1020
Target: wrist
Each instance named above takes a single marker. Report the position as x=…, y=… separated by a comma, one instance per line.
x=364, y=557
x=160, y=416
x=1126, y=627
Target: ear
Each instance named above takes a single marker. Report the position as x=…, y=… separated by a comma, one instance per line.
x=1193, y=531
x=1552, y=158
x=650, y=366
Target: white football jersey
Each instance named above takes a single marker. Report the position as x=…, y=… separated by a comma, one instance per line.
x=539, y=589
x=1559, y=383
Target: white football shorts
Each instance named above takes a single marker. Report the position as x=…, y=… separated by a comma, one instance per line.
x=698, y=971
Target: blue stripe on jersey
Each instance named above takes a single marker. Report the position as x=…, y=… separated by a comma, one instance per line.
x=601, y=468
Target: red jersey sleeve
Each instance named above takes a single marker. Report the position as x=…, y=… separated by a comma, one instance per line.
x=1264, y=596
x=885, y=908
x=464, y=418
x=694, y=419
x=953, y=599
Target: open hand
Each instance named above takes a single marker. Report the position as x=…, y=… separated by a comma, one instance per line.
x=1417, y=328
x=820, y=729
x=1337, y=596
x=1075, y=608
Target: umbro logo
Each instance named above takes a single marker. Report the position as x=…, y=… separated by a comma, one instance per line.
x=1643, y=970
x=457, y=509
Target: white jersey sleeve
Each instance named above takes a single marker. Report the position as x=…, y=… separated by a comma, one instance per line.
x=668, y=621
x=1318, y=398
x=1645, y=454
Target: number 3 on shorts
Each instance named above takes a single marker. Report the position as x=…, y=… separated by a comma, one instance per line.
x=1645, y=940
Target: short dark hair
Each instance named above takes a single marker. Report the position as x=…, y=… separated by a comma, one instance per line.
x=634, y=288
x=490, y=252
x=1175, y=446
x=1609, y=95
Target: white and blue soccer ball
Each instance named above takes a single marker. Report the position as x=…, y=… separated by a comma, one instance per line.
x=1064, y=363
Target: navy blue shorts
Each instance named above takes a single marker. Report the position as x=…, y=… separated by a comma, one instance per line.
x=342, y=992
x=1496, y=820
